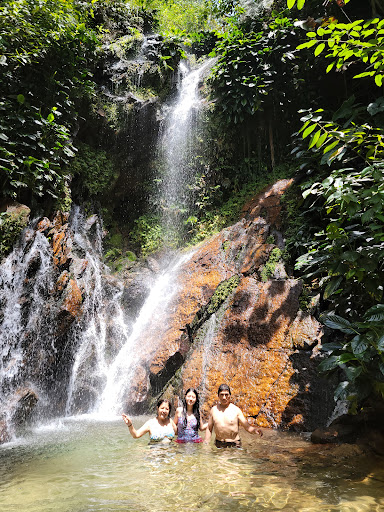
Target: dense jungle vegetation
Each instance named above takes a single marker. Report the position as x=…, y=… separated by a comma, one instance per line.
x=297, y=90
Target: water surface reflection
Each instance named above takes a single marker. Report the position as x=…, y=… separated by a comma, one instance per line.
x=86, y=466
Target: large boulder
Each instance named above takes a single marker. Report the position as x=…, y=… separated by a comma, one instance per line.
x=227, y=323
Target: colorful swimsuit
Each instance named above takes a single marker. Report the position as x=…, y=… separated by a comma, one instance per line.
x=188, y=433
x=158, y=433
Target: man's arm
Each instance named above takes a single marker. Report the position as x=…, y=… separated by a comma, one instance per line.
x=247, y=426
x=208, y=431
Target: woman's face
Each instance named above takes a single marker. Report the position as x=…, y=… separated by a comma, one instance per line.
x=190, y=398
x=163, y=410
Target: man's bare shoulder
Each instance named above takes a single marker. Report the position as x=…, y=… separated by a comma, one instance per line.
x=234, y=408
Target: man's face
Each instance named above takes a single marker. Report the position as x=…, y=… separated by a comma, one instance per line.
x=224, y=397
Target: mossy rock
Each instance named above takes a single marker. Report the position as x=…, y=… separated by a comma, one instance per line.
x=127, y=45
x=12, y=223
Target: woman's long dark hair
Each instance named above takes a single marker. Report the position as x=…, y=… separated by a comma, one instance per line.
x=195, y=409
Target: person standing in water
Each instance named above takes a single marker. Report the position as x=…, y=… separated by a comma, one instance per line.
x=161, y=428
x=225, y=419
x=188, y=418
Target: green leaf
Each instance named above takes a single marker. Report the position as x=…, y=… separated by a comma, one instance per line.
x=375, y=313
x=308, y=44
x=314, y=139
x=309, y=130
x=379, y=80
x=359, y=344
x=380, y=343
x=319, y=49
x=321, y=140
x=340, y=392
x=300, y=4
x=20, y=98
x=290, y=3
x=332, y=286
x=330, y=363
x=330, y=347
x=337, y=322
x=330, y=146
x=352, y=372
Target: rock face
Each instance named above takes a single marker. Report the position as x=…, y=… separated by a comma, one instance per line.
x=41, y=299
x=226, y=324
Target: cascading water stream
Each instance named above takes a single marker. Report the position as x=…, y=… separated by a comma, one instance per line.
x=178, y=149
x=120, y=372
x=25, y=280
x=117, y=371
x=212, y=326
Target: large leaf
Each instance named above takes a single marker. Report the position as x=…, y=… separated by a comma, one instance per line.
x=332, y=286
x=338, y=323
x=359, y=344
x=375, y=314
x=329, y=364
x=340, y=392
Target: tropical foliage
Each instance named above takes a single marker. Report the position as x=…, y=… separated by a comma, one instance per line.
x=342, y=154
x=45, y=57
x=253, y=64
x=360, y=354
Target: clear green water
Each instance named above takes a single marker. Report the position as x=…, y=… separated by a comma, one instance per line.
x=88, y=466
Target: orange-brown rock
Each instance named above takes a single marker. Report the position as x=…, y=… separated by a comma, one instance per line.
x=43, y=225
x=71, y=307
x=61, y=246
x=251, y=335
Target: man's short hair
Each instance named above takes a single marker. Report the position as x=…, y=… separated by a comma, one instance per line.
x=223, y=387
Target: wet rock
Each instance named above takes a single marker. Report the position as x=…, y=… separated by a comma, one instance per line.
x=136, y=289
x=44, y=225
x=71, y=308
x=61, y=246
x=24, y=401
x=334, y=434
x=5, y=435
x=79, y=266
x=225, y=325
x=62, y=281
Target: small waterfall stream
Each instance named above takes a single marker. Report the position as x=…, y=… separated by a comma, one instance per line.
x=26, y=278
x=119, y=373
x=178, y=149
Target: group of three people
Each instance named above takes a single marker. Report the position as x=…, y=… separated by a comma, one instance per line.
x=224, y=420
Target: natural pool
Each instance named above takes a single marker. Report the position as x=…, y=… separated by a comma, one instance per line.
x=84, y=465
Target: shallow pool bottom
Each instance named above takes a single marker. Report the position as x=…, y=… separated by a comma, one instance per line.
x=84, y=465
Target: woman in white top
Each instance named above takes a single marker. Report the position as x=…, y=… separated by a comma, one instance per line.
x=161, y=428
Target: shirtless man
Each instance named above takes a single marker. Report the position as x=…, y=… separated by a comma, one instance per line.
x=225, y=419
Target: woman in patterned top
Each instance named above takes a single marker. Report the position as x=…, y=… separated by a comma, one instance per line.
x=161, y=428
x=188, y=419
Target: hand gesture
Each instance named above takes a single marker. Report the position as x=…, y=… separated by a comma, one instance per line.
x=127, y=420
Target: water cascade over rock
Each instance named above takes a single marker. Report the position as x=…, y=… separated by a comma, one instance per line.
x=178, y=149
x=75, y=339
x=240, y=329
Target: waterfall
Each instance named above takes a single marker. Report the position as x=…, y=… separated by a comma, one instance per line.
x=114, y=374
x=208, y=352
x=103, y=328
x=89, y=365
x=22, y=297
x=178, y=148
x=120, y=372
